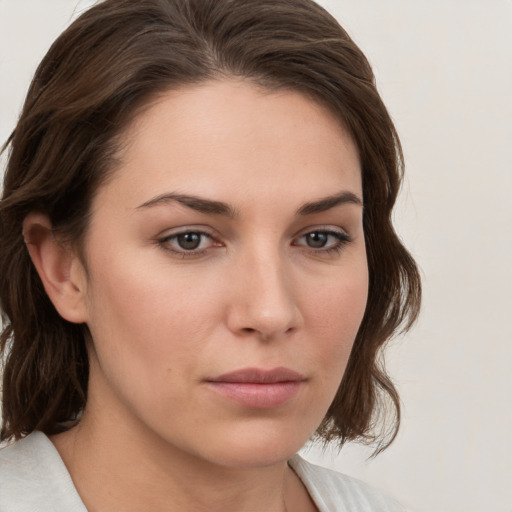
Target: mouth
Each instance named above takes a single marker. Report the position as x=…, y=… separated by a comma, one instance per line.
x=256, y=388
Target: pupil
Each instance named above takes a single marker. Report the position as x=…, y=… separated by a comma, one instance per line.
x=317, y=239
x=189, y=241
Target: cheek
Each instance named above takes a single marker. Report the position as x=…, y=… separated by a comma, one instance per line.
x=144, y=319
x=339, y=303
x=145, y=336
x=334, y=316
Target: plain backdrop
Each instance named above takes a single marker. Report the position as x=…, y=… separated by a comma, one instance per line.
x=444, y=68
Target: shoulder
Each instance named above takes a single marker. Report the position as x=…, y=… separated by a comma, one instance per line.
x=34, y=477
x=332, y=491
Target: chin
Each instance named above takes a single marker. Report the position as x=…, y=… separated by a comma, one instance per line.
x=252, y=458
x=256, y=448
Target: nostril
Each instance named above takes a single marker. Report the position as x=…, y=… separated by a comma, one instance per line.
x=263, y=335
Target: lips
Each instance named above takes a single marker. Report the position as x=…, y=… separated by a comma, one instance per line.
x=257, y=376
x=257, y=388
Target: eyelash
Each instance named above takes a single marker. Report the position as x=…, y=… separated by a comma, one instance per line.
x=342, y=239
x=183, y=253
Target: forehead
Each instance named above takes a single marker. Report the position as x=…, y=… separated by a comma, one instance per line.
x=225, y=136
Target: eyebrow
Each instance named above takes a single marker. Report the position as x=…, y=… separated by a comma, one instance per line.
x=199, y=204
x=326, y=203
x=210, y=206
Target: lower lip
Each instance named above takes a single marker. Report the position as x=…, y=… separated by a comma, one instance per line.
x=257, y=396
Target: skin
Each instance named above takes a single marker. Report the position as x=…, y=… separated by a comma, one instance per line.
x=256, y=293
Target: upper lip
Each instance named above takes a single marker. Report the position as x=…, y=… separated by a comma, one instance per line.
x=259, y=376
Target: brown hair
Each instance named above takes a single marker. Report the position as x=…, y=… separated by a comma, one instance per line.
x=110, y=62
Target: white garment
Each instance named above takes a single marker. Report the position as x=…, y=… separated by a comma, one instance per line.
x=33, y=478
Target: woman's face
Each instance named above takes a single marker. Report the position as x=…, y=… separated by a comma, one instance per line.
x=226, y=274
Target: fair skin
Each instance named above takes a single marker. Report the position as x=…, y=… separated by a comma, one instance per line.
x=212, y=250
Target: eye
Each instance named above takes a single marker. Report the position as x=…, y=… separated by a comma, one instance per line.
x=322, y=240
x=189, y=242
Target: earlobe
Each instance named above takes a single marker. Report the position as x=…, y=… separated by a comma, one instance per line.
x=58, y=266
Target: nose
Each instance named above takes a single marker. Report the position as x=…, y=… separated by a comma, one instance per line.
x=264, y=303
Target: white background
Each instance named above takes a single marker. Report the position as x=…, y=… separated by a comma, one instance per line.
x=444, y=68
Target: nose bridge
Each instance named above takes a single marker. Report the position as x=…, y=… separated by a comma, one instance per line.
x=264, y=301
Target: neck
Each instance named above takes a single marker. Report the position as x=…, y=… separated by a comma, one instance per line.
x=121, y=469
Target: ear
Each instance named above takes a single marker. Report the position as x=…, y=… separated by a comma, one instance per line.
x=58, y=266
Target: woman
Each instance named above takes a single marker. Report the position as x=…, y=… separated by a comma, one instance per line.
x=199, y=263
